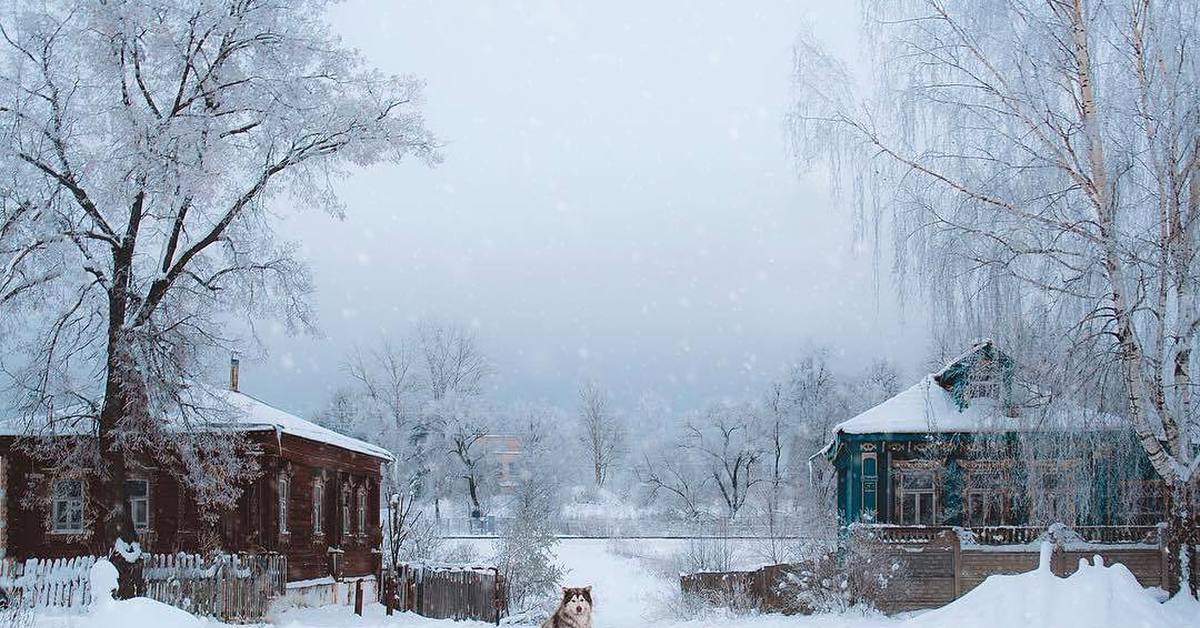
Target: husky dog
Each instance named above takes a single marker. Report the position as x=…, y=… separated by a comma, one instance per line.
x=575, y=610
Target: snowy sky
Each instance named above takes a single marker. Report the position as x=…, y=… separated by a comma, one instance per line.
x=617, y=202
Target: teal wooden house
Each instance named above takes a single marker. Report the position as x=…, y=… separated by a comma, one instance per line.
x=958, y=449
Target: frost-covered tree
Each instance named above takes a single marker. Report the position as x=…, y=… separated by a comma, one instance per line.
x=1041, y=159
x=420, y=394
x=602, y=433
x=157, y=137
x=674, y=473
x=387, y=390
x=728, y=445
x=342, y=414
x=463, y=430
x=27, y=243
x=453, y=368
x=454, y=363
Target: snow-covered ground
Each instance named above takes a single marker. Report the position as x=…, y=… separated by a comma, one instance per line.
x=628, y=594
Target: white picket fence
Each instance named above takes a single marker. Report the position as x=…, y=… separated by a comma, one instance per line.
x=226, y=586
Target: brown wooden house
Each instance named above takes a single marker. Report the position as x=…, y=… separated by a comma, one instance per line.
x=316, y=501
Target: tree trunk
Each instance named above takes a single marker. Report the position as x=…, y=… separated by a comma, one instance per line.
x=124, y=397
x=1183, y=536
x=473, y=492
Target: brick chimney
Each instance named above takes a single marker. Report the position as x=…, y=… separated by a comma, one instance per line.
x=233, y=373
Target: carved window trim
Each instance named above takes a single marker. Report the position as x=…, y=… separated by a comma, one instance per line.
x=318, y=506
x=987, y=484
x=905, y=474
x=283, y=494
x=361, y=507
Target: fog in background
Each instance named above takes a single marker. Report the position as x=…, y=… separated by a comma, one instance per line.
x=617, y=202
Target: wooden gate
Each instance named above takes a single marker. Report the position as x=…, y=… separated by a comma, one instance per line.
x=448, y=592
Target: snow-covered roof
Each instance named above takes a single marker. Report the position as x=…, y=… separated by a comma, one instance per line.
x=219, y=408
x=926, y=407
x=251, y=414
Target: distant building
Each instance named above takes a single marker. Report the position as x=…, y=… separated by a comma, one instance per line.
x=505, y=452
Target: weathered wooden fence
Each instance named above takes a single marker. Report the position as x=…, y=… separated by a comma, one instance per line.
x=935, y=566
x=448, y=592
x=949, y=562
x=758, y=589
x=229, y=587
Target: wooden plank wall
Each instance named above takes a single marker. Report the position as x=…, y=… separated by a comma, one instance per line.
x=931, y=574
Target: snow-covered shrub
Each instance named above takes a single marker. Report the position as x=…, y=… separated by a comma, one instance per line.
x=706, y=554
x=461, y=553
x=838, y=581
x=423, y=541
x=525, y=552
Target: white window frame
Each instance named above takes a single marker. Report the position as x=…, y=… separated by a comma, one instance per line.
x=283, y=490
x=70, y=503
x=318, y=506
x=145, y=499
x=909, y=500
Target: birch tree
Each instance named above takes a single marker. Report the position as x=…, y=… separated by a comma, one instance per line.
x=158, y=136
x=1048, y=152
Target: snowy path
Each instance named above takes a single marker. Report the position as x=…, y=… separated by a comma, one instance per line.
x=624, y=593
x=627, y=595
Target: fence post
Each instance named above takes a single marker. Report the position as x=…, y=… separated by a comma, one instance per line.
x=956, y=565
x=358, y=597
x=499, y=595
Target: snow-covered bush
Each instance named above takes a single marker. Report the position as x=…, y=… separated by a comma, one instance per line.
x=525, y=552
x=525, y=549
x=706, y=554
x=838, y=581
x=461, y=553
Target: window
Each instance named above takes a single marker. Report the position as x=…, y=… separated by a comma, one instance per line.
x=362, y=511
x=345, y=510
x=67, y=508
x=983, y=381
x=1143, y=502
x=318, y=506
x=283, y=503
x=915, y=496
x=870, y=486
x=1053, y=486
x=987, y=493
x=138, y=493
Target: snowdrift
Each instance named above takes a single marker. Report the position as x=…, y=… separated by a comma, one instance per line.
x=1096, y=596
